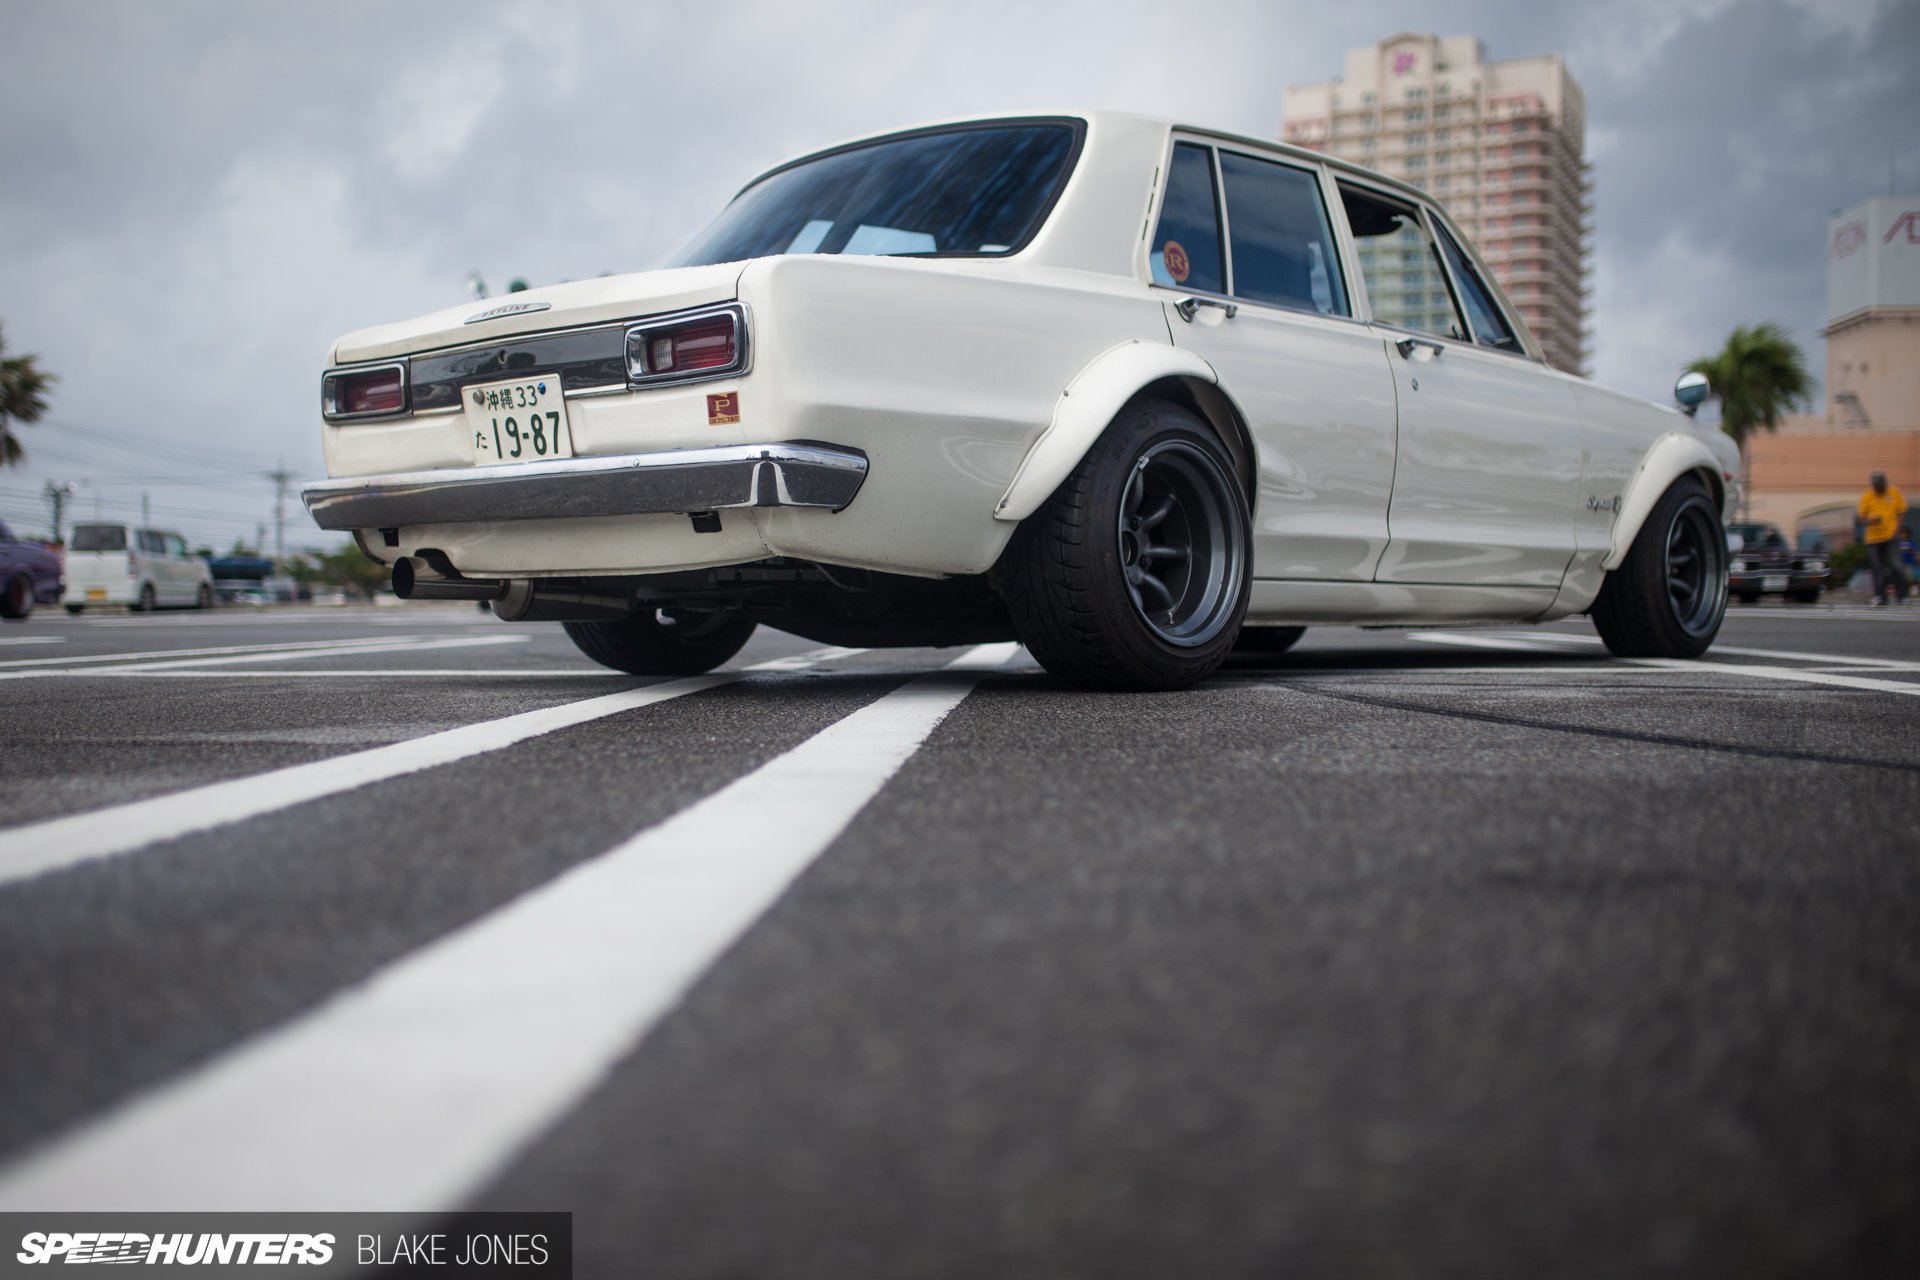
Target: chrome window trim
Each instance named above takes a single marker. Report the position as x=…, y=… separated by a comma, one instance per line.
x=332, y=414
x=742, y=340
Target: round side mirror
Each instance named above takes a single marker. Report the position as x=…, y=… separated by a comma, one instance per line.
x=1692, y=390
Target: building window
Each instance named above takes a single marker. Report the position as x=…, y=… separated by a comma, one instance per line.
x=1416, y=139
x=1440, y=135
x=1368, y=99
x=1416, y=114
x=1416, y=95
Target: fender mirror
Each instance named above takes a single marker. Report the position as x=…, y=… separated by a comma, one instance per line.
x=1691, y=391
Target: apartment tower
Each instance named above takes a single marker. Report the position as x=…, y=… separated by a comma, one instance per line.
x=1501, y=144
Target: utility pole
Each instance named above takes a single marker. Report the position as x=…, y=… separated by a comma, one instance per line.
x=57, y=495
x=146, y=507
x=281, y=479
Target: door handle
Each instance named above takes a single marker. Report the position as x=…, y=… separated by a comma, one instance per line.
x=1407, y=346
x=1187, y=307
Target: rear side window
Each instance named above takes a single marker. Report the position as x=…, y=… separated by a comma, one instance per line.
x=1281, y=240
x=152, y=543
x=1186, y=245
x=1489, y=330
x=99, y=537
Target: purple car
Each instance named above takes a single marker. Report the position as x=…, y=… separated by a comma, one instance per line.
x=29, y=575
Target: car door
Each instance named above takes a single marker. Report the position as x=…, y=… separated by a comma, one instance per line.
x=183, y=570
x=1486, y=487
x=1245, y=246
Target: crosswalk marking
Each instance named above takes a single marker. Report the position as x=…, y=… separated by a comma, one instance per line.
x=410, y=1090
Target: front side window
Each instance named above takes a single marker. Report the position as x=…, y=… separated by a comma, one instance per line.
x=1186, y=251
x=1397, y=281
x=1489, y=329
x=1281, y=239
x=960, y=192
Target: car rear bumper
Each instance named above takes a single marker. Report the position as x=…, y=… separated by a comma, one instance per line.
x=824, y=477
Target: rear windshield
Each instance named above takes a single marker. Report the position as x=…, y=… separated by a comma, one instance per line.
x=99, y=537
x=965, y=192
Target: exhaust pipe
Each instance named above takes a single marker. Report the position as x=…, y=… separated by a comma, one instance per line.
x=415, y=579
x=523, y=601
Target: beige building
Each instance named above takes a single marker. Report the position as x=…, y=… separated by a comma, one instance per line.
x=1812, y=472
x=1501, y=144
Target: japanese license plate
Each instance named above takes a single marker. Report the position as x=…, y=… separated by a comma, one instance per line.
x=1774, y=582
x=523, y=420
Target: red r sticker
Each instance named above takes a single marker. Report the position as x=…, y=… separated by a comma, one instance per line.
x=1176, y=259
x=723, y=409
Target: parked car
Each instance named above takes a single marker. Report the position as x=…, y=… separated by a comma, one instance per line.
x=29, y=575
x=1129, y=391
x=1765, y=563
x=139, y=568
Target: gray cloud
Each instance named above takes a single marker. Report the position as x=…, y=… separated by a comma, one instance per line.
x=200, y=196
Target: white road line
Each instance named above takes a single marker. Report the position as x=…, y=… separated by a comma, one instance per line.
x=447, y=1062
x=82, y=837
x=801, y=661
x=279, y=654
x=13, y=663
x=63, y=842
x=32, y=640
x=1683, y=664
x=1789, y=655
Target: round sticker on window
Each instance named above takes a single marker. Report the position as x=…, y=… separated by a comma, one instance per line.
x=1176, y=259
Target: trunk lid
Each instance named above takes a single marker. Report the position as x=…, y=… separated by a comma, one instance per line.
x=560, y=306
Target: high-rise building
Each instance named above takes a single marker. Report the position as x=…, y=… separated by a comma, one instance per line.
x=1811, y=474
x=1501, y=144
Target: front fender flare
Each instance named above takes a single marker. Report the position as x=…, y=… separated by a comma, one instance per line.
x=1672, y=456
x=1083, y=411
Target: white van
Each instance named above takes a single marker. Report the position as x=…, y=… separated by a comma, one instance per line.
x=139, y=568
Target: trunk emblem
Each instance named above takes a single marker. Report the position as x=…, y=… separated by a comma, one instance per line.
x=507, y=309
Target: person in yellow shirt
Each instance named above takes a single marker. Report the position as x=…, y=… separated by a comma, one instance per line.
x=1882, y=512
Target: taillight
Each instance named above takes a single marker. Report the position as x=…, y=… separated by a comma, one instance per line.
x=364, y=393
x=698, y=346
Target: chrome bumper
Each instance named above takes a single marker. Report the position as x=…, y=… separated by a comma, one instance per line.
x=678, y=480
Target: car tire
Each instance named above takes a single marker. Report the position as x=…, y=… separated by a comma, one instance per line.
x=16, y=602
x=654, y=642
x=1266, y=642
x=1078, y=576
x=1669, y=596
x=203, y=599
x=1749, y=597
x=74, y=609
x=148, y=601
x=1805, y=597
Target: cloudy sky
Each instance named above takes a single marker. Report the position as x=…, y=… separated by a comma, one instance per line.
x=197, y=197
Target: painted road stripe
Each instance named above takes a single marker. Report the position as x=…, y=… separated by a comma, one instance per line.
x=5, y=640
x=83, y=837
x=1787, y=655
x=279, y=654
x=75, y=659
x=1684, y=664
x=447, y=1062
x=101, y=833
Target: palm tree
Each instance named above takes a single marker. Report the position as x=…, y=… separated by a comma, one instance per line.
x=23, y=398
x=1759, y=377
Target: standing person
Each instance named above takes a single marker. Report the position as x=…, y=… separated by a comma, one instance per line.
x=1882, y=514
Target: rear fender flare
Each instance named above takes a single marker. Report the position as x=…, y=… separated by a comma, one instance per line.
x=1672, y=456
x=1091, y=401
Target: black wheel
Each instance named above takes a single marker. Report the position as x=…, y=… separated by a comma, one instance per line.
x=1669, y=596
x=75, y=609
x=659, y=642
x=204, y=598
x=1805, y=597
x=1265, y=642
x=148, y=602
x=16, y=602
x=1133, y=575
x=1749, y=597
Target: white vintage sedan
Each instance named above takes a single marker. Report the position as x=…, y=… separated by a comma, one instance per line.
x=1132, y=392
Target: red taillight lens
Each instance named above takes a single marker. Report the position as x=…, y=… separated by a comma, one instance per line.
x=707, y=345
x=368, y=391
x=711, y=342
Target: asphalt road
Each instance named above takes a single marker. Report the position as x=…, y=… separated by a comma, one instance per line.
x=1469, y=953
